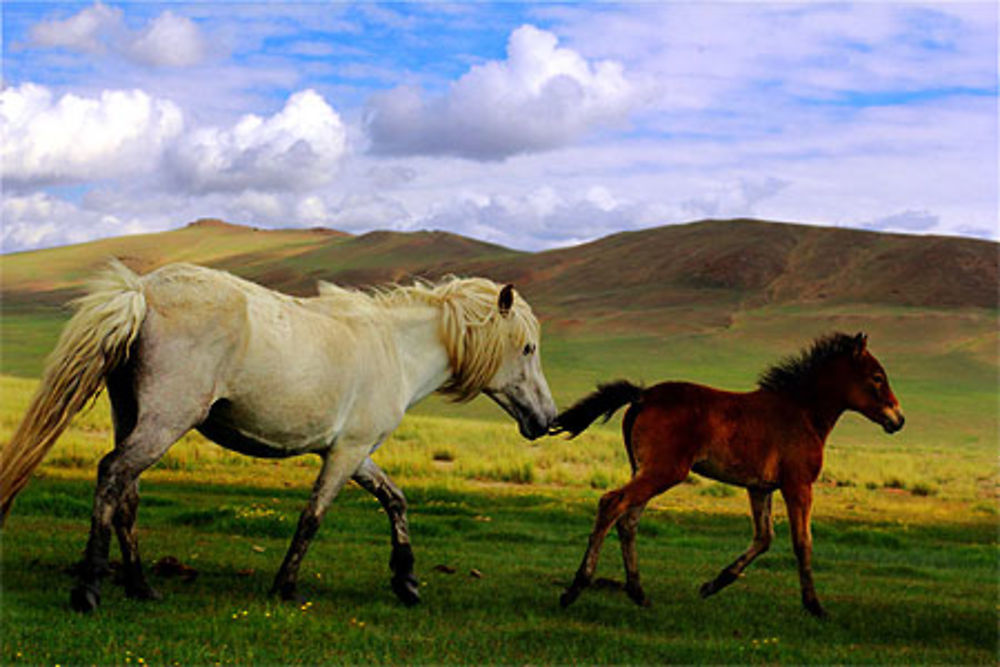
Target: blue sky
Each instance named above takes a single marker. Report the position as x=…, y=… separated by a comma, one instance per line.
x=533, y=125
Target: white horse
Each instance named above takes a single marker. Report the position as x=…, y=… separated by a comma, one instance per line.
x=270, y=375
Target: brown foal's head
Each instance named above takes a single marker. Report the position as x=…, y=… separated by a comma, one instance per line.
x=867, y=387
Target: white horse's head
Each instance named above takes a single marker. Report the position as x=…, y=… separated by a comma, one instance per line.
x=519, y=386
x=494, y=349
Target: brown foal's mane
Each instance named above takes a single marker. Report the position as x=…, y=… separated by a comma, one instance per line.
x=796, y=374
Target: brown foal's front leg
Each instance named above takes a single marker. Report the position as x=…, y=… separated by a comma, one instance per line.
x=798, y=499
x=763, y=533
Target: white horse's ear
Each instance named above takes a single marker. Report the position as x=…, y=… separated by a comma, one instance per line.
x=506, y=299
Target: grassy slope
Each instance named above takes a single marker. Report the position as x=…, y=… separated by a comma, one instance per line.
x=48, y=275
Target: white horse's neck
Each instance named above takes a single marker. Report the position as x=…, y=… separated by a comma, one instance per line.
x=421, y=351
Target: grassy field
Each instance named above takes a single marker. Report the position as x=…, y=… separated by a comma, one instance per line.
x=897, y=591
x=905, y=526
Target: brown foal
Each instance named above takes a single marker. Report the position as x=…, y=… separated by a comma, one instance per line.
x=763, y=440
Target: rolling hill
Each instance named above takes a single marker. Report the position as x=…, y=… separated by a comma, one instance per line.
x=712, y=301
x=729, y=264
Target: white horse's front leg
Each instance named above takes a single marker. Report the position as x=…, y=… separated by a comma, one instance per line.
x=338, y=466
x=373, y=479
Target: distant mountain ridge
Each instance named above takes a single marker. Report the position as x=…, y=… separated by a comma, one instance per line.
x=703, y=270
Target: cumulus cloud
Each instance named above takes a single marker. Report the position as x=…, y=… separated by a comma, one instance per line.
x=73, y=138
x=297, y=148
x=541, y=97
x=541, y=218
x=168, y=40
x=88, y=30
x=39, y=220
x=49, y=140
x=737, y=198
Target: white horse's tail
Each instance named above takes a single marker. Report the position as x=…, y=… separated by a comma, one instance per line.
x=96, y=340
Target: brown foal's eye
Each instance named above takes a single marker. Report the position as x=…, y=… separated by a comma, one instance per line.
x=529, y=349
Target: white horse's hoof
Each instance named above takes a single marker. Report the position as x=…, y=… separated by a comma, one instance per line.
x=407, y=589
x=85, y=599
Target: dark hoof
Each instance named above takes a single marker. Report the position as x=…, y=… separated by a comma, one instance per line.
x=638, y=595
x=287, y=592
x=712, y=587
x=569, y=596
x=815, y=608
x=85, y=599
x=407, y=589
x=142, y=591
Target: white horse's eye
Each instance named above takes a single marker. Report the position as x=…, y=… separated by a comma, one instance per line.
x=529, y=349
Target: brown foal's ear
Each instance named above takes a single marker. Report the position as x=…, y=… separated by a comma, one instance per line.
x=860, y=343
x=506, y=299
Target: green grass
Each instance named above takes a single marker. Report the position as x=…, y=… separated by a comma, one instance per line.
x=905, y=526
x=897, y=593
x=27, y=336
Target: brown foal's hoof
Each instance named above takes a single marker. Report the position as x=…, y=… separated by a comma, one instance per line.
x=712, y=587
x=815, y=608
x=569, y=596
x=638, y=595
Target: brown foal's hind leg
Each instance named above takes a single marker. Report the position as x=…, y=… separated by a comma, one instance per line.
x=763, y=533
x=799, y=502
x=627, y=527
x=612, y=506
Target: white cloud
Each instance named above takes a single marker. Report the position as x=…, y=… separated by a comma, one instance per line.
x=541, y=218
x=128, y=134
x=721, y=55
x=39, y=220
x=906, y=221
x=879, y=115
x=86, y=31
x=363, y=212
x=732, y=199
x=169, y=41
x=297, y=148
x=541, y=97
x=75, y=139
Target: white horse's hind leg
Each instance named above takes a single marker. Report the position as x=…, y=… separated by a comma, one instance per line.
x=154, y=432
x=338, y=466
x=125, y=413
x=136, y=586
x=375, y=481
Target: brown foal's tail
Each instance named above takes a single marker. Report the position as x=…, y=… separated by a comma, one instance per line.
x=95, y=341
x=605, y=401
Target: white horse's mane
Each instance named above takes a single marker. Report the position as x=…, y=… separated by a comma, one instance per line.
x=475, y=333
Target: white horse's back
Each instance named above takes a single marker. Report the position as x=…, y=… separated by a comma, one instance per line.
x=284, y=373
